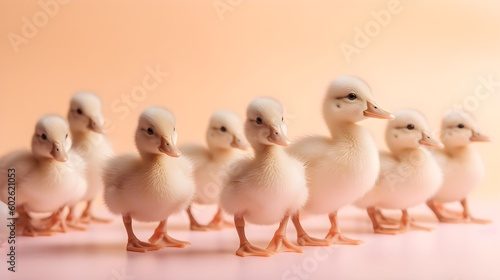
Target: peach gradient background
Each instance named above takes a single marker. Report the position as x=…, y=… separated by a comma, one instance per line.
x=429, y=57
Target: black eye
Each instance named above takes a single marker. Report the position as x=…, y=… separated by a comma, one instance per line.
x=174, y=128
x=223, y=129
x=150, y=131
x=410, y=126
x=282, y=119
x=352, y=96
x=79, y=111
x=259, y=121
x=460, y=125
x=44, y=137
x=66, y=136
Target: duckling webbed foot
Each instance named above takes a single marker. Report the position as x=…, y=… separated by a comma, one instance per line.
x=303, y=239
x=219, y=223
x=334, y=234
x=379, y=228
x=135, y=245
x=246, y=249
x=161, y=237
x=279, y=240
x=407, y=223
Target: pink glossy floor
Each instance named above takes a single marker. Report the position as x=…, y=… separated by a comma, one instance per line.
x=450, y=252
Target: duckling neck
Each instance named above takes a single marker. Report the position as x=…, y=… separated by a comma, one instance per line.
x=457, y=151
x=406, y=153
x=220, y=154
x=154, y=158
x=267, y=151
x=80, y=137
x=340, y=130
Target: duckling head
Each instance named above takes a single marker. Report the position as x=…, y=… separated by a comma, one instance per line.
x=156, y=132
x=459, y=129
x=409, y=130
x=349, y=99
x=225, y=131
x=85, y=113
x=51, y=138
x=265, y=125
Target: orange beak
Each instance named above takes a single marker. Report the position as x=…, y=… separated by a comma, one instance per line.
x=373, y=111
x=169, y=148
x=427, y=140
x=477, y=137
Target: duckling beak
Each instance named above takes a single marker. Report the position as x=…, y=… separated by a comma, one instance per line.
x=373, y=111
x=58, y=152
x=427, y=140
x=278, y=137
x=238, y=144
x=94, y=126
x=169, y=148
x=477, y=137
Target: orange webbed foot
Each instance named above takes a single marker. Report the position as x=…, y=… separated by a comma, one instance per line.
x=248, y=249
x=338, y=238
x=280, y=243
x=135, y=245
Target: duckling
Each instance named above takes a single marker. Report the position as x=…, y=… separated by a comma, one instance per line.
x=224, y=138
x=340, y=168
x=409, y=174
x=151, y=185
x=268, y=187
x=462, y=165
x=86, y=125
x=48, y=178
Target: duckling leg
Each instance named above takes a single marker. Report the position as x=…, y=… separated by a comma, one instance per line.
x=218, y=221
x=377, y=227
x=303, y=239
x=133, y=243
x=468, y=217
x=87, y=216
x=193, y=223
x=29, y=229
x=161, y=235
x=407, y=223
x=56, y=220
x=439, y=215
x=384, y=220
x=246, y=249
x=335, y=235
x=72, y=222
x=280, y=239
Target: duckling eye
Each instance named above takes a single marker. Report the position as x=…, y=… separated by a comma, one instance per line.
x=44, y=137
x=460, y=125
x=150, y=131
x=223, y=129
x=282, y=119
x=410, y=126
x=79, y=111
x=66, y=136
x=174, y=128
x=259, y=121
x=352, y=96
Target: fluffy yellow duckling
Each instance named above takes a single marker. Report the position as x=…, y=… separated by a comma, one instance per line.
x=409, y=174
x=224, y=138
x=151, y=185
x=268, y=187
x=462, y=166
x=342, y=167
x=48, y=178
x=86, y=125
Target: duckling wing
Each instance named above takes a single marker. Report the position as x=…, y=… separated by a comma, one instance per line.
x=117, y=169
x=23, y=162
x=390, y=172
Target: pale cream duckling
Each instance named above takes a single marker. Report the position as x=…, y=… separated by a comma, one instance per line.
x=151, y=185
x=225, y=139
x=342, y=167
x=47, y=178
x=462, y=165
x=86, y=125
x=269, y=187
x=409, y=174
